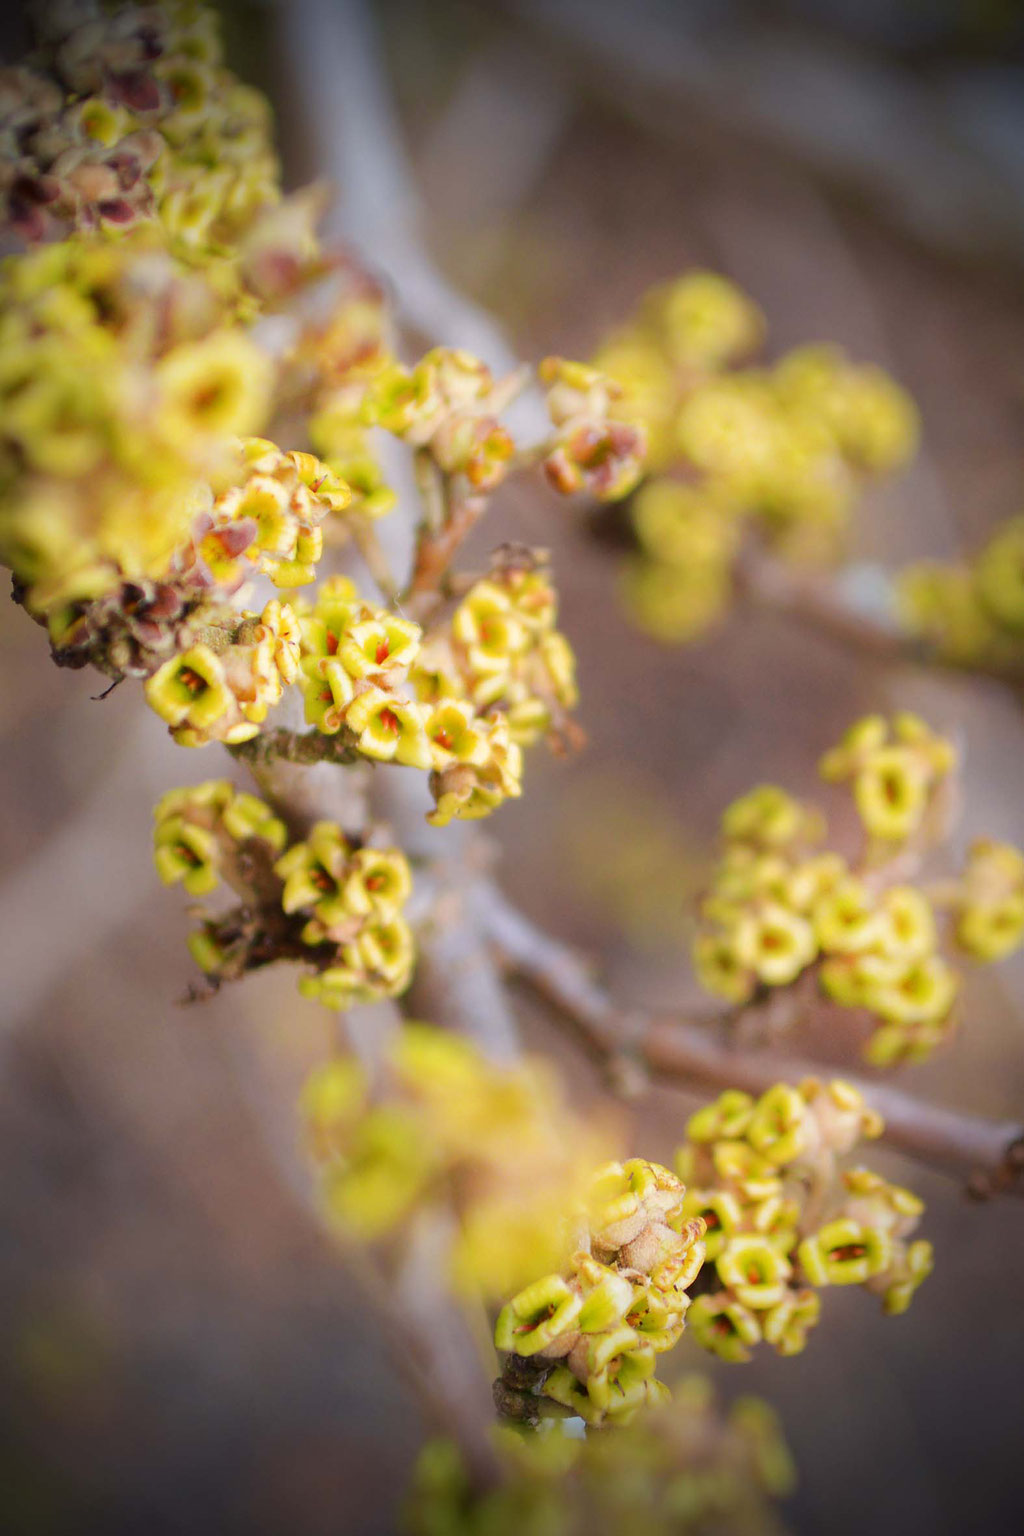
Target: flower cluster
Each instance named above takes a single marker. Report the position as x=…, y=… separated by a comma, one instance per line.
x=325, y=901
x=336, y=363
x=448, y=405
x=988, y=901
x=199, y=831
x=121, y=389
x=223, y=694
x=762, y=1176
x=686, y=1469
x=270, y=522
x=590, y=451
x=585, y=1340
x=355, y=663
x=128, y=116
x=492, y=1154
x=972, y=613
x=460, y=702
x=781, y=907
x=777, y=453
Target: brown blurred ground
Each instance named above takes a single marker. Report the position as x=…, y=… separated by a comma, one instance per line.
x=180, y=1349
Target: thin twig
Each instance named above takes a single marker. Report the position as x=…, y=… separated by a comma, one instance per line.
x=988, y=1154
x=283, y=745
x=435, y=553
x=818, y=603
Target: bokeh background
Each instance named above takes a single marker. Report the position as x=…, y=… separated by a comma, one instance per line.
x=180, y=1349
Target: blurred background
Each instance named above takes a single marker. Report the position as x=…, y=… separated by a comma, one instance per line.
x=180, y=1348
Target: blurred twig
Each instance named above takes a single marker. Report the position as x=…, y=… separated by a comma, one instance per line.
x=988, y=1154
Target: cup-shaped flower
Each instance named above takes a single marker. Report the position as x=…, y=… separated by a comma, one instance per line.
x=787, y=1324
x=389, y=728
x=615, y=1366
x=657, y=1318
x=188, y=853
x=387, y=950
x=778, y=1128
x=327, y=691
x=754, y=1270
x=487, y=624
x=455, y=736
x=378, y=881
x=891, y=793
x=248, y=816
x=720, y=1211
x=909, y=923
x=724, y=1326
x=191, y=690
x=924, y=993
x=607, y=1295
x=314, y=873
x=846, y=919
x=844, y=1252
x=719, y=969
x=729, y=1116
x=538, y=1317
x=382, y=644
x=766, y=817
x=774, y=943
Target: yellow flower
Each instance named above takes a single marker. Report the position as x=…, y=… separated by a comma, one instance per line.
x=778, y=1126
x=382, y=644
x=188, y=853
x=389, y=728
x=218, y=386
x=705, y=319
x=538, y=1316
x=775, y=943
x=455, y=736
x=844, y=1252
x=723, y=1326
x=754, y=1270
x=190, y=689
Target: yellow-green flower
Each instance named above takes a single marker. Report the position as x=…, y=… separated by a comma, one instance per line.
x=724, y=1326
x=844, y=1252
x=190, y=689
x=774, y=943
x=540, y=1315
x=729, y=1116
x=754, y=1270
x=314, y=873
x=186, y=852
x=787, y=1325
x=389, y=728
x=378, y=881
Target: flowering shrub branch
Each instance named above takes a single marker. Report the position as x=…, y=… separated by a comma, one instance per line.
x=634, y=1044
x=156, y=532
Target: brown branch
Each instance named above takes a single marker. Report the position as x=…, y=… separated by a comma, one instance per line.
x=436, y=549
x=989, y=1155
x=282, y=745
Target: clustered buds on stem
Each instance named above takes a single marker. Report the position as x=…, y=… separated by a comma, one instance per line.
x=781, y=908
x=591, y=450
x=782, y=1223
x=141, y=507
x=742, y=455
x=127, y=116
x=591, y=1335
x=326, y=902
x=972, y=612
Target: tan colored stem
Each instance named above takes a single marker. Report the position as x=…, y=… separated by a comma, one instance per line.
x=989, y=1155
